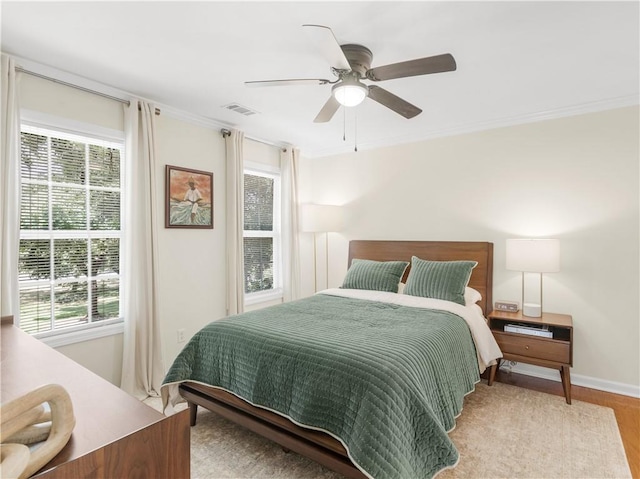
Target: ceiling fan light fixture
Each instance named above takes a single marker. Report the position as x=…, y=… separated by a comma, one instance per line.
x=350, y=93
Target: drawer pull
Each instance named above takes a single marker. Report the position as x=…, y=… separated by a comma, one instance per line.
x=526, y=347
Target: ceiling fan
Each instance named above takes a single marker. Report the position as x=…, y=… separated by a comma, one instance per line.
x=351, y=64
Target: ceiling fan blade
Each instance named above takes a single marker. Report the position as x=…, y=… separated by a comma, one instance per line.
x=393, y=102
x=326, y=41
x=421, y=66
x=328, y=110
x=293, y=81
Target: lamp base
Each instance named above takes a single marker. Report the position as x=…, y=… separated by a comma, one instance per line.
x=532, y=310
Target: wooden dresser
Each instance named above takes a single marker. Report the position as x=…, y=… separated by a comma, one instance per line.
x=116, y=436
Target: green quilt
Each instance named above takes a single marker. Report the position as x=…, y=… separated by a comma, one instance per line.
x=387, y=380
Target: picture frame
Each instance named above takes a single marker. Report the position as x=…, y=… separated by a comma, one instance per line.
x=188, y=198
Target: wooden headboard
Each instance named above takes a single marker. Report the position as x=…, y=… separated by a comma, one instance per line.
x=482, y=252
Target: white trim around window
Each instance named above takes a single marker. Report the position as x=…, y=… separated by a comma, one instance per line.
x=45, y=124
x=97, y=331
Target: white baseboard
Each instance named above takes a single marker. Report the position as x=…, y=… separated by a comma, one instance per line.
x=578, y=380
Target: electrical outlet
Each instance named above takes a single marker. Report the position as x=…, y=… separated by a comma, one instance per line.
x=181, y=336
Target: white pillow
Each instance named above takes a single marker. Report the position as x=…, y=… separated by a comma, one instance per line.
x=471, y=296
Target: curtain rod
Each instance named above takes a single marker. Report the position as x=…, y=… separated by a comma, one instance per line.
x=226, y=133
x=78, y=87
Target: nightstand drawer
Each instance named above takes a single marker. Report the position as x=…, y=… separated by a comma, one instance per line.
x=533, y=347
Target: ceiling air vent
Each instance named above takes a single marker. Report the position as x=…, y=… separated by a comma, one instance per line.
x=243, y=110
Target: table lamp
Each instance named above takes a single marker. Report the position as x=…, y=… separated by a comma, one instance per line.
x=533, y=256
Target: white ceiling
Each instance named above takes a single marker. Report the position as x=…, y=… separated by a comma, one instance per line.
x=517, y=61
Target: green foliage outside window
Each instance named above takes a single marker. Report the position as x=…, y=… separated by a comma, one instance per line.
x=69, y=258
x=259, y=194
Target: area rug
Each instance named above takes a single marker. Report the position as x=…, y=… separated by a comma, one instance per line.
x=504, y=432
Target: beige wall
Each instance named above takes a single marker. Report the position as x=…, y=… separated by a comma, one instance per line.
x=102, y=356
x=52, y=98
x=575, y=178
x=191, y=262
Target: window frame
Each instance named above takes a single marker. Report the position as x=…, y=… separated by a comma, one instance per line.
x=49, y=125
x=277, y=292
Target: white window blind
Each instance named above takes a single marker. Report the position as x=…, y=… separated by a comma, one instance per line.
x=261, y=232
x=70, y=231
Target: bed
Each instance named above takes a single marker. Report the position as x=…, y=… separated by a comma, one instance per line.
x=382, y=421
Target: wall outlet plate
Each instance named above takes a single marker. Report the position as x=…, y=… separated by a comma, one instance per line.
x=510, y=306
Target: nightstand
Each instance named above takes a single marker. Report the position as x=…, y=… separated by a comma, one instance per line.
x=554, y=352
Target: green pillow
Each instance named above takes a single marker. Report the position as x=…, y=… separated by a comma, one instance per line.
x=439, y=279
x=374, y=275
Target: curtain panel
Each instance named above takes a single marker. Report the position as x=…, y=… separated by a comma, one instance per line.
x=9, y=190
x=289, y=166
x=234, y=143
x=142, y=368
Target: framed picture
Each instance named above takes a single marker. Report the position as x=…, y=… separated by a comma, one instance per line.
x=189, y=198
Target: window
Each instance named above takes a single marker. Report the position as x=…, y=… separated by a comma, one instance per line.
x=262, y=279
x=70, y=231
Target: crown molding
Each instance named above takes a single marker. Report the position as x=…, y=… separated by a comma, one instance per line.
x=573, y=110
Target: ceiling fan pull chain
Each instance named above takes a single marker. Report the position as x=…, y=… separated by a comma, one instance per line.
x=344, y=124
x=355, y=130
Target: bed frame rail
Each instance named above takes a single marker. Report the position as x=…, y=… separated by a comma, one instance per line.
x=316, y=445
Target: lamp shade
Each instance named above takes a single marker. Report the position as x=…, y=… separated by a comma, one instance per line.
x=321, y=218
x=533, y=255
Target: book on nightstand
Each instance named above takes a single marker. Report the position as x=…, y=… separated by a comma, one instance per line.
x=527, y=329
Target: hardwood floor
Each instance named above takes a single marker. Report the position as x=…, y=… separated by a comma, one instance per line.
x=627, y=409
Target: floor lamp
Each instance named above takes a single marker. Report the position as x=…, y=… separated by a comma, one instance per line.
x=321, y=219
x=533, y=256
